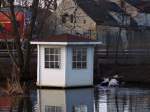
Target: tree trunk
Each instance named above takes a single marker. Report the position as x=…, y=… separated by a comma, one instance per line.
x=21, y=62
x=14, y=85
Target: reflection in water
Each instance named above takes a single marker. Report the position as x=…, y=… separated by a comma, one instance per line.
x=79, y=100
x=20, y=103
x=76, y=100
x=122, y=100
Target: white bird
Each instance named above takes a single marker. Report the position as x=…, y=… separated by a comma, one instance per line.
x=113, y=82
x=116, y=76
x=105, y=82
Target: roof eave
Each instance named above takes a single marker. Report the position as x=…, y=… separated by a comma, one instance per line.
x=65, y=43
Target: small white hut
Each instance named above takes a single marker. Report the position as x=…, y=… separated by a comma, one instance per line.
x=65, y=61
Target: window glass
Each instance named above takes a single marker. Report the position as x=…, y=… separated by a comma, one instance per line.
x=52, y=57
x=80, y=108
x=79, y=58
x=53, y=109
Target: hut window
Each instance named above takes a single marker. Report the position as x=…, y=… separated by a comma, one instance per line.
x=53, y=109
x=79, y=58
x=52, y=57
x=80, y=108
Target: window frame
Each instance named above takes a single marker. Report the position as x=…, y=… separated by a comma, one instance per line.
x=53, y=108
x=80, y=108
x=49, y=59
x=75, y=58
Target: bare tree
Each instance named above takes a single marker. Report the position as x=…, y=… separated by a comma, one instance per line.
x=21, y=63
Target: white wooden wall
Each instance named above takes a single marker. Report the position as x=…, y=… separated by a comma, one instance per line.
x=51, y=77
x=65, y=76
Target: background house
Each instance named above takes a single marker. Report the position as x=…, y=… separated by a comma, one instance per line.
x=71, y=18
x=106, y=21
x=121, y=25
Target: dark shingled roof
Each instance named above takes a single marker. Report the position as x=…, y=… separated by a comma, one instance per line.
x=143, y=6
x=97, y=13
x=114, y=7
x=65, y=38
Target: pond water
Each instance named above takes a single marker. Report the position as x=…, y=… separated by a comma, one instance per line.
x=96, y=99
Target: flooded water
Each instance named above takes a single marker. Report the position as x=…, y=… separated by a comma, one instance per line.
x=96, y=99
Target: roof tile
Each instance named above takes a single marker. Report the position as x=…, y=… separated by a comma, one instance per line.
x=65, y=38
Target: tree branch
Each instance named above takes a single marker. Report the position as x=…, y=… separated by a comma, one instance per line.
x=32, y=25
x=17, y=35
x=10, y=54
x=5, y=14
x=45, y=15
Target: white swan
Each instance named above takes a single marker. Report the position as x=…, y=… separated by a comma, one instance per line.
x=105, y=82
x=113, y=83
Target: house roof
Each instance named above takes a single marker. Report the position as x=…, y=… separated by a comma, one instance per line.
x=96, y=12
x=5, y=102
x=7, y=24
x=143, y=6
x=65, y=39
x=114, y=7
x=4, y=18
x=5, y=36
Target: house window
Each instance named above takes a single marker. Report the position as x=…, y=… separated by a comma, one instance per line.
x=52, y=57
x=84, y=21
x=53, y=109
x=80, y=108
x=65, y=17
x=79, y=58
x=71, y=18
